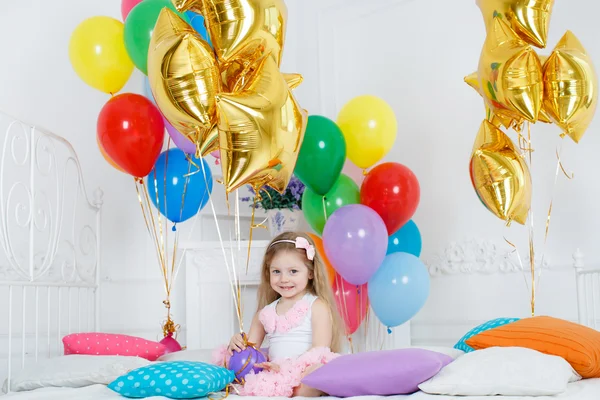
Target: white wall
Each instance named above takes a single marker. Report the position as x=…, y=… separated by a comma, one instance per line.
x=414, y=54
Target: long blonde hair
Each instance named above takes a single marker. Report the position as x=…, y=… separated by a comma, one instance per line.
x=318, y=286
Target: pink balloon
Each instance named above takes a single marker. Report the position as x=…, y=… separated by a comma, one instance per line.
x=127, y=6
x=353, y=172
x=352, y=302
x=180, y=141
x=170, y=344
x=216, y=154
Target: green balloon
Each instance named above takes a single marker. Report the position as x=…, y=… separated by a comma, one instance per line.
x=322, y=155
x=344, y=192
x=139, y=26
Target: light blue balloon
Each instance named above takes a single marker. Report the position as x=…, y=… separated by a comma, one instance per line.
x=182, y=181
x=399, y=288
x=148, y=91
x=197, y=22
x=407, y=239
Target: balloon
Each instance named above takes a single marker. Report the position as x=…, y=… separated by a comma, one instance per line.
x=321, y=251
x=355, y=241
x=180, y=140
x=510, y=73
x=131, y=131
x=98, y=55
x=399, y=289
x=171, y=344
x=352, y=303
x=242, y=26
x=216, y=154
x=407, y=239
x=393, y=191
x=500, y=175
x=178, y=188
x=529, y=19
x=570, y=87
x=148, y=91
x=261, y=131
x=197, y=22
x=322, y=155
x=317, y=208
x=106, y=157
x=243, y=362
x=184, y=78
x=369, y=126
x=139, y=26
x=127, y=6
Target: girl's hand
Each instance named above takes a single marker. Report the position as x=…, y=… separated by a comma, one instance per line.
x=236, y=343
x=269, y=366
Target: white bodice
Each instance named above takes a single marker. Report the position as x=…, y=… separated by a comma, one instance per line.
x=290, y=334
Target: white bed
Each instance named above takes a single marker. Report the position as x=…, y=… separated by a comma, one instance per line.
x=51, y=285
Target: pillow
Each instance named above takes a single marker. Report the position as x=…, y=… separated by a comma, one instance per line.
x=494, y=323
x=504, y=371
x=380, y=373
x=73, y=371
x=175, y=380
x=577, y=344
x=108, y=344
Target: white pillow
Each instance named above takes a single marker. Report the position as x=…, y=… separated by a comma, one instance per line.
x=73, y=371
x=505, y=371
x=189, y=355
x=449, y=351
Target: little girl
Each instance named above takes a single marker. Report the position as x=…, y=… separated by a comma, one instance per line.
x=298, y=316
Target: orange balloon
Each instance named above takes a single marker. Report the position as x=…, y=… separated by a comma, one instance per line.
x=321, y=250
x=106, y=157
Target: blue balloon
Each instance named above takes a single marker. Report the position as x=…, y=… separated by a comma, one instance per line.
x=179, y=176
x=399, y=288
x=148, y=91
x=407, y=239
x=197, y=22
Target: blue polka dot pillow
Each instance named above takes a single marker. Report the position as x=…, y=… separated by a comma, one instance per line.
x=175, y=380
x=494, y=323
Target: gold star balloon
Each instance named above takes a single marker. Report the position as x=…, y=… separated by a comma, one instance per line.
x=530, y=19
x=261, y=129
x=570, y=87
x=510, y=75
x=500, y=175
x=184, y=78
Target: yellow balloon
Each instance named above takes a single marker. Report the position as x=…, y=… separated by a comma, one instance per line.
x=98, y=55
x=530, y=19
x=570, y=87
x=369, y=127
x=184, y=78
x=500, y=175
x=261, y=129
x=510, y=74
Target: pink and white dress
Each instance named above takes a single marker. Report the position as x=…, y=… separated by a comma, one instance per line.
x=290, y=346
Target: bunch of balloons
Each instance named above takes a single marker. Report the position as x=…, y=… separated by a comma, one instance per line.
x=517, y=86
x=369, y=243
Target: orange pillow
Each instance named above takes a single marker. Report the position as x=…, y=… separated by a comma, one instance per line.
x=577, y=344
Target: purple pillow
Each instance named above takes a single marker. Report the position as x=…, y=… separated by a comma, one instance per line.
x=378, y=373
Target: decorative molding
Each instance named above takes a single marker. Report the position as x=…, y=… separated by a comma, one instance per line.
x=474, y=256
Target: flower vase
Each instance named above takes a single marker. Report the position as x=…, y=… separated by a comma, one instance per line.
x=283, y=220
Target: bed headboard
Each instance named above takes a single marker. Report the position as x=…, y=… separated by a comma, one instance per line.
x=50, y=245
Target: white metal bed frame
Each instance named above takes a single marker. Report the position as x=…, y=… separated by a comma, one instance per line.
x=588, y=292
x=50, y=240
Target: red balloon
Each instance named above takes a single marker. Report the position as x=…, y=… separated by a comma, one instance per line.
x=131, y=131
x=352, y=302
x=392, y=190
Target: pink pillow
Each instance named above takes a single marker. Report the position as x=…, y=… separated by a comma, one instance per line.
x=108, y=344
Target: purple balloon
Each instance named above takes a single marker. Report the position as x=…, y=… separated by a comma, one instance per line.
x=180, y=141
x=355, y=241
x=243, y=362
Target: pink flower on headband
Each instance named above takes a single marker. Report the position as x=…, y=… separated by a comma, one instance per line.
x=302, y=243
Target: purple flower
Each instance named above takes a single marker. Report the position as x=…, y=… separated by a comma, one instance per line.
x=271, y=199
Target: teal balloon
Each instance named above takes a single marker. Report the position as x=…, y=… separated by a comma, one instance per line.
x=407, y=239
x=139, y=26
x=398, y=289
x=321, y=156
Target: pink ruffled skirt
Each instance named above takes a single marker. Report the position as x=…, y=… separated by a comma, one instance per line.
x=283, y=382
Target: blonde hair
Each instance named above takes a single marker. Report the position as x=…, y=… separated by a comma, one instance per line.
x=318, y=286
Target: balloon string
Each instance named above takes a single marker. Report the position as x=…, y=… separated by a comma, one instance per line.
x=323, y=201
x=531, y=228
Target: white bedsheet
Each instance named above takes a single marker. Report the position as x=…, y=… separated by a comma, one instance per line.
x=588, y=389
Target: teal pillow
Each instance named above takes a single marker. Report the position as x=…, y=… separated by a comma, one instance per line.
x=175, y=380
x=494, y=323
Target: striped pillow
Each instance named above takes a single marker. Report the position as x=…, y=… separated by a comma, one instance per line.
x=494, y=323
x=577, y=344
